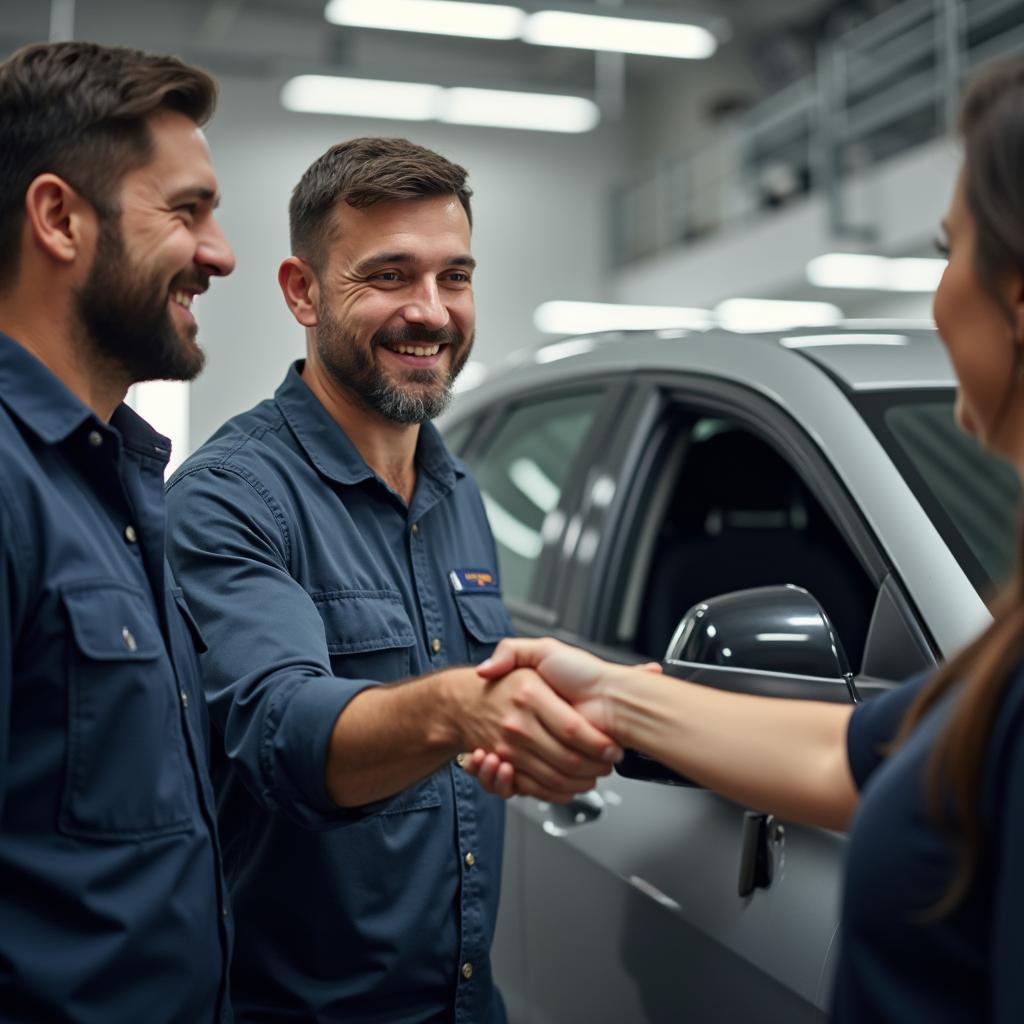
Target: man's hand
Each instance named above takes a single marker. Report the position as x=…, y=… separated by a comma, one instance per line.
x=574, y=674
x=551, y=749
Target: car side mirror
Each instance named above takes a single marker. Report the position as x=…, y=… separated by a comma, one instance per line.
x=767, y=629
x=780, y=629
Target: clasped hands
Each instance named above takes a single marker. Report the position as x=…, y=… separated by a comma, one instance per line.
x=556, y=729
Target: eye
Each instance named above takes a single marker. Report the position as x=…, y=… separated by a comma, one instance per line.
x=388, y=276
x=187, y=211
x=459, y=277
x=942, y=247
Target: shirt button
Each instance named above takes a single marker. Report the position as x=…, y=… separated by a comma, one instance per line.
x=128, y=639
x=470, y=860
x=130, y=535
x=95, y=438
x=224, y=913
x=184, y=699
x=467, y=971
x=415, y=529
x=460, y=760
x=435, y=645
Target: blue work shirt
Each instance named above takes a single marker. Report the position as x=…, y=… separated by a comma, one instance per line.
x=312, y=580
x=895, y=965
x=112, y=902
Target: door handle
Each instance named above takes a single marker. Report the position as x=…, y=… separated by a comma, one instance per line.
x=763, y=839
x=561, y=818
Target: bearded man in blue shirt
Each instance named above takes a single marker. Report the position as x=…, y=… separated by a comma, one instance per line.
x=113, y=906
x=329, y=543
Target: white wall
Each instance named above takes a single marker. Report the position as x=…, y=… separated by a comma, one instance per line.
x=539, y=232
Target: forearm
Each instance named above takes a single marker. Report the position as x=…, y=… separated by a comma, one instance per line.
x=784, y=756
x=389, y=737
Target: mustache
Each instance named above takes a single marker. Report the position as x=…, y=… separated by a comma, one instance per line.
x=412, y=335
x=190, y=282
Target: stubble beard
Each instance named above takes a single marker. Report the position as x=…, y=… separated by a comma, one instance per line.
x=354, y=368
x=126, y=318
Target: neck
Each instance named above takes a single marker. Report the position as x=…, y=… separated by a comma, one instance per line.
x=389, y=448
x=45, y=327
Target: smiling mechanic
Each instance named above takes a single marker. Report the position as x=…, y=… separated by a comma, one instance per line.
x=113, y=906
x=328, y=542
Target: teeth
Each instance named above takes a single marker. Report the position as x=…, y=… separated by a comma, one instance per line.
x=417, y=350
x=182, y=299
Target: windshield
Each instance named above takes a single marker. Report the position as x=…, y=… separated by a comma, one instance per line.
x=970, y=495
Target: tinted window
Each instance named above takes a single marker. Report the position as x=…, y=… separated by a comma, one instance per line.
x=970, y=495
x=522, y=475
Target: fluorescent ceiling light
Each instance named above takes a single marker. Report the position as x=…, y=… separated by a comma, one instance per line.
x=825, y=340
x=751, y=315
x=501, y=109
x=863, y=270
x=415, y=101
x=361, y=97
x=619, y=35
x=559, y=317
x=438, y=17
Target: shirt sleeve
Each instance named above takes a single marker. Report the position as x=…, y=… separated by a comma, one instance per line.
x=873, y=725
x=267, y=673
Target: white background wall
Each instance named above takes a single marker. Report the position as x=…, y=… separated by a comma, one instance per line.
x=540, y=233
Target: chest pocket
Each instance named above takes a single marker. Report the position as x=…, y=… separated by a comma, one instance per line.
x=369, y=636
x=126, y=770
x=485, y=620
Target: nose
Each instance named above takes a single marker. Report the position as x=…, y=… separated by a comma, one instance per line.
x=426, y=307
x=214, y=251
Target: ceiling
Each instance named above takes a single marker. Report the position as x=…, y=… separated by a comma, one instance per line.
x=278, y=38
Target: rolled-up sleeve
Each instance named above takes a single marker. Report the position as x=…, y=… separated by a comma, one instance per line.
x=874, y=724
x=267, y=671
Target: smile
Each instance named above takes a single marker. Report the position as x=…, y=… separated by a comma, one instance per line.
x=182, y=299
x=415, y=350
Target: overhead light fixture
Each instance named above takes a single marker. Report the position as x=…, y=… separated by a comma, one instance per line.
x=879, y=273
x=620, y=35
x=498, y=108
x=415, y=101
x=569, y=28
x=361, y=97
x=752, y=315
x=561, y=317
x=437, y=17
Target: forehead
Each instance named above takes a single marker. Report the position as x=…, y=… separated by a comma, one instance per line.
x=179, y=159
x=431, y=227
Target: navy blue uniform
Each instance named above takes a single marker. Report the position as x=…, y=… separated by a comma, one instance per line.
x=311, y=581
x=895, y=966
x=112, y=906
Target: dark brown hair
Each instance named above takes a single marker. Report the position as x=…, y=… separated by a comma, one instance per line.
x=992, y=127
x=79, y=110
x=363, y=172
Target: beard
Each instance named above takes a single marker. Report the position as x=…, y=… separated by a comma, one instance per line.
x=421, y=395
x=126, y=316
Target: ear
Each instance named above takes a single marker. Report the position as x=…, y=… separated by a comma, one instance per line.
x=301, y=290
x=59, y=220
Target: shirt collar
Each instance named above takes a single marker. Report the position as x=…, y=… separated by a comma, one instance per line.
x=37, y=397
x=328, y=446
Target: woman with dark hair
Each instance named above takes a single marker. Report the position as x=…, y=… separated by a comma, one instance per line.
x=928, y=777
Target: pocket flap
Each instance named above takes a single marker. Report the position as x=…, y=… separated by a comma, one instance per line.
x=364, y=620
x=111, y=621
x=484, y=616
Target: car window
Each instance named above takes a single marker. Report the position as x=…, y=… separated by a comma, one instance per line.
x=970, y=495
x=728, y=512
x=522, y=473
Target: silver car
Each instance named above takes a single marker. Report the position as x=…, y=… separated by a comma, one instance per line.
x=630, y=478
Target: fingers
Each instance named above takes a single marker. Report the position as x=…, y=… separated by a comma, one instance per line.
x=569, y=728
x=513, y=653
x=651, y=666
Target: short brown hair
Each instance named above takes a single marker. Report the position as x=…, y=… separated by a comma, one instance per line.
x=362, y=172
x=79, y=110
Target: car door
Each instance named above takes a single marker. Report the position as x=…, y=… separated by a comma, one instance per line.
x=630, y=906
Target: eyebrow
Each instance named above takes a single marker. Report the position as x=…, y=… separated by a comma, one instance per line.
x=382, y=258
x=201, y=192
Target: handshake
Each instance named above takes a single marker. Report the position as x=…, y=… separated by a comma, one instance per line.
x=549, y=724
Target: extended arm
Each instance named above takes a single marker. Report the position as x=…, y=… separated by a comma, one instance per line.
x=784, y=756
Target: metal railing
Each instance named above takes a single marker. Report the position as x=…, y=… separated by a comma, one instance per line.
x=878, y=90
